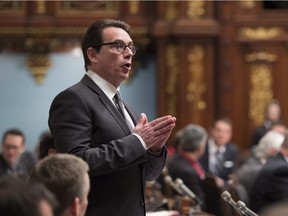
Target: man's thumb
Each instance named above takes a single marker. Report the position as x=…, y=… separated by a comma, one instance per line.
x=142, y=120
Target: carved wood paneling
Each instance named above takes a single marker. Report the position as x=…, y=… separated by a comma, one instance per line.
x=214, y=58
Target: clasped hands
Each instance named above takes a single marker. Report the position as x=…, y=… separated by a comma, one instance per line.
x=155, y=133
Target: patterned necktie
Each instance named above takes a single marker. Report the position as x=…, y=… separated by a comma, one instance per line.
x=218, y=166
x=119, y=104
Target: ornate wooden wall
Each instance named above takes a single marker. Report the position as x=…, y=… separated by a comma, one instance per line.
x=214, y=58
x=252, y=65
x=221, y=59
x=186, y=35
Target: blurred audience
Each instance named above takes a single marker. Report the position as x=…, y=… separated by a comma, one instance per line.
x=270, y=185
x=21, y=198
x=46, y=145
x=245, y=175
x=15, y=159
x=272, y=115
x=184, y=164
x=66, y=176
x=277, y=209
x=221, y=156
x=279, y=126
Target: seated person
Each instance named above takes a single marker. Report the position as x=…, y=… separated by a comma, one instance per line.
x=270, y=185
x=66, y=176
x=184, y=164
x=21, y=198
x=14, y=158
x=268, y=146
x=272, y=114
x=220, y=158
x=46, y=145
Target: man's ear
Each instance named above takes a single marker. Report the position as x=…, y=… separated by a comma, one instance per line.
x=75, y=206
x=51, y=151
x=92, y=54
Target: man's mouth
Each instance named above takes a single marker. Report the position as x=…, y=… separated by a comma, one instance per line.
x=128, y=65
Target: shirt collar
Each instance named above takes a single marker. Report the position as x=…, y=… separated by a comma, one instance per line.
x=213, y=148
x=105, y=86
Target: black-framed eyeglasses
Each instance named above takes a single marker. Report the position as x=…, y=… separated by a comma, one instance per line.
x=120, y=46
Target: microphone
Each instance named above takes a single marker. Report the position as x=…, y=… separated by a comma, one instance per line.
x=156, y=205
x=179, y=184
x=242, y=207
x=227, y=197
x=168, y=180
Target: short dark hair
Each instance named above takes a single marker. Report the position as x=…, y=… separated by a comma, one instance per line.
x=13, y=131
x=222, y=119
x=63, y=174
x=18, y=197
x=93, y=37
x=46, y=143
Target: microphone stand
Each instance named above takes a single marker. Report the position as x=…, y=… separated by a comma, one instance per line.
x=179, y=183
x=242, y=207
x=227, y=197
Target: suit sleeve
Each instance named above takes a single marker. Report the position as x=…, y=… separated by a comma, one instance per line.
x=155, y=164
x=90, y=132
x=279, y=182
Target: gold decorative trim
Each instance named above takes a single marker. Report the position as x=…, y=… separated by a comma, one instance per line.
x=261, y=92
x=39, y=64
x=133, y=6
x=261, y=56
x=196, y=87
x=38, y=60
x=86, y=8
x=195, y=9
x=41, y=7
x=171, y=10
x=30, y=30
x=247, y=4
x=260, y=33
x=173, y=72
x=60, y=30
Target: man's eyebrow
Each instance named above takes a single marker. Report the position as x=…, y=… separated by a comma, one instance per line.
x=129, y=43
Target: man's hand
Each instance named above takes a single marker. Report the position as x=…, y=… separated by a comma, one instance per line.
x=156, y=132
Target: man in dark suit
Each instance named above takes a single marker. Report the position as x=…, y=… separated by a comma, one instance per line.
x=272, y=116
x=184, y=163
x=270, y=186
x=14, y=158
x=122, y=149
x=220, y=156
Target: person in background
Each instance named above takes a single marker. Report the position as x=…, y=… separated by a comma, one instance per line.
x=280, y=127
x=272, y=115
x=245, y=175
x=221, y=156
x=46, y=145
x=184, y=164
x=21, y=198
x=90, y=120
x=15, y=159
x=277, y=209
x=66, y=176
x=270, y=185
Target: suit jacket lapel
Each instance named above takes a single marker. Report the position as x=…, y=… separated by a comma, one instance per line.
x=107, y=103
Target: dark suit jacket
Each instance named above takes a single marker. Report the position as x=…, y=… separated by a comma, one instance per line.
x=179, y=167
x=23, y=167
x=271, y=184
x=230, y=160
x=84, y=122
x=259, y=132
